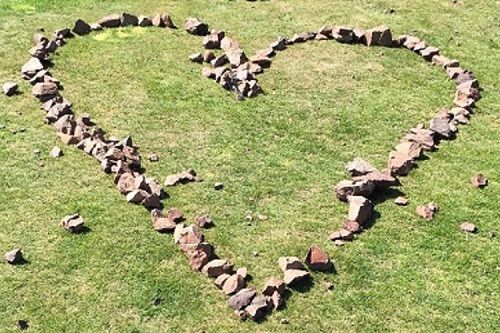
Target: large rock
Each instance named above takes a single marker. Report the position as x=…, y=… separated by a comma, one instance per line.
x=381, y=180
x=228, y=43
x=73, y=223
x=81, y=27
x=195, y=27
x=342, y=34
x=274, y=285
x=346, y=188
x=144, y=21
x=33, y=66
x=187, y=235
x=42, y=90
x=360, y=209
x=316, y=259
x=10, y=88
x=287, y=263
x=399, y=164
x=295, y=276
x=110, y=21
x=258, y=308
x=380, y=35
x=151, y=201
x=198, y=254
x=440, y=126
x=137, y=196
x=127, y=19
x=217, y=267
x=410, y=149
x=162, y=223
x=233, y=284
x=212, y=40
x=359, y=167
x=242, y=299
x=14, y=257
x=236, y=57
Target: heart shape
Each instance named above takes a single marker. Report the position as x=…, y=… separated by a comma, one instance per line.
x=121, y=158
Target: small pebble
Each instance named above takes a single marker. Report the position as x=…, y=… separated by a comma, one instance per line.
x=22, y=130
x=255, y=253
x=249, y=218
x=329, y=286
x=37, y=151
x=284, y=321
x=263, y=218
x=218, y=186
x=22, y=325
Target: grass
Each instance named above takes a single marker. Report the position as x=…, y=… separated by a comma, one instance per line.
x=279, y=154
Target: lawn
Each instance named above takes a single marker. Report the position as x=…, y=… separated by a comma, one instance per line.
x=279, y=154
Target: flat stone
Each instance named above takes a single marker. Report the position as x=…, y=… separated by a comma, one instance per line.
x=359, y=167
x=10, y=88
x=233, y=284
x=429, y=52
x=198, y=254
x=110, y=21
x=45, y=89
x=14, y=257
x=469, y=227
x=316, y=259
x=287, y=263
x=360, y=209
x=158, y=21
x=33, y=66
x=381, y=180
x=219, y=61
x=204, y=221
x=81, y=27
x=56, y=152
x=346, y=188
x=151, y=201
x=479, y=180
x=137, y=196
x=242, y=299
x=425, y=213
x=212, y=41
x=73, y=223
x=220, y=280
x=380, y=35
x=399, y=163
x=195, y=27
x=274, y=285
x=295, y=276
x=412, y=150
x=162, y=223
x=401, y=201
x=217, y=267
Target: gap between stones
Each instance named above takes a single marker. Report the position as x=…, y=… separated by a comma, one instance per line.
x=234, y=71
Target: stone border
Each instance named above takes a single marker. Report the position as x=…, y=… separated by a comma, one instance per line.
x=122, y=159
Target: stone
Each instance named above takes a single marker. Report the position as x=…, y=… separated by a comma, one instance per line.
x=276, y=300
x=181, y=178
x=211, y=41
x=137, y=196
x=242, y=299
x=204, y=221
x=175, y=215
x=218, y=186
x=429, y=52
x=338, y=242
x=196, y=57
x=161, y=223
x=195, y=27
x=68, y=139
x=274, y=285
x=228, y=43
x=441, y=127
x=144, y=21
x=295, y=276
x=110, y=21
x=401, y=201
x=73, y=223
x=42, y=90
x=410, y=149
x=359, y=167
x=56, y=152
x=466, y=98
x=10, y=88
x=267, y=52
x=262, y=218
x=469, y=227
x=167, y=20
x=425, y=213
x=198, y=254
x=399, y=163
x=220, y=280
x=95, y=26
x=352, y=226
x=243, y=272
x=81, y=27
x=236, y=57
x=358, y=35
x=479, y=180
x=14, y=257
x=33, y=66
x=217, y=267
x=151, y=201
x=279, y=45
x=346, y=188
x=342, y=34
x=158, y=21
x=219, y=61
x=127, y=19
x=262, y=61
x=188, y=235
x=302, y=37
x=22, y=325
x=233, y=284
x=380, y=35
x=454, y=72
x=287, y=263
x=317, y=260
x=434, y=207
x=381, y=180
x=360, y=209
x=257, y=309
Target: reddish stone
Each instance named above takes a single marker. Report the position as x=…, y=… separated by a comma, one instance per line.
x=317, y=259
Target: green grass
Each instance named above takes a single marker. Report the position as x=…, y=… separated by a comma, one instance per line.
x=279, y=154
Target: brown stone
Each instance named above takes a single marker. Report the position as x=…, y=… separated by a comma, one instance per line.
x=236, y=57
x=316, y=259
x=42, y=90
x=161, y=223
x=399, y=163
x=219, y=61
x=429, y=52
x=14, y=257
x=217, y=267
x=227, y=44
x=151, y=201
x=287, y=263
x=262, y=61
x=380, y=35
x=434, y=207
x=198, y=254
x=243, y=272
x=175, y=215
x=352, y=226
x=479, y=180
x=425, y=213
x=295, y=276
x=342, y=34
x=137, y=196
x=73, y=223
x=10, y=88
x=469, y=227
x=68, y=139
x=188, y=235
x=233, y=284
x=440, y=126
x=196, y=57
x=242, y=299
x=220, y=280
x=195, y=26
x=144, y=21
x=346, y=188
x=410, y=149
x=279, y=45
x=127, y=19
x=274, y=285
x=158, y=21
x=359, y=167
x=401, y=201
x=168, y=22
x=360, y=209
x=258, y=308
x=56, y=152
x=111, y=21
x=381, y=180
x=81, y=27
x=276, y=299
x=212, y=41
